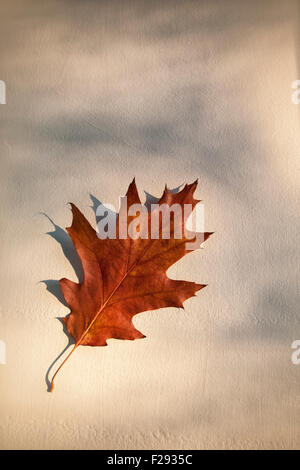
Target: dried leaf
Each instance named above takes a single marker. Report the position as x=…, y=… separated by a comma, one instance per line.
x=123, y=277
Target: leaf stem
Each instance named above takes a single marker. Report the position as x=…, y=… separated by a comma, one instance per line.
x=90, y=326
x=52, y=381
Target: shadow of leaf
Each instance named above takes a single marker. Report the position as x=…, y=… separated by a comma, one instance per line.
x=62, y=237
x=53, y=286
x=70, y=343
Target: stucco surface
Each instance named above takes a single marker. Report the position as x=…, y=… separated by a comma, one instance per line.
x=99, y=92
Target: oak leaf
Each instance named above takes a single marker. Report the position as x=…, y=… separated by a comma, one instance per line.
x=125, y=276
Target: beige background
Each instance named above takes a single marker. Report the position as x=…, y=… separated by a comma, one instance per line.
x=99, y=92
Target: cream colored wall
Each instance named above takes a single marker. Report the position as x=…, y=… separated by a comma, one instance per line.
x=99, y=92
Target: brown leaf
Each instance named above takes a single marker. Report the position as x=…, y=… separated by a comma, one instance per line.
x=123, y=277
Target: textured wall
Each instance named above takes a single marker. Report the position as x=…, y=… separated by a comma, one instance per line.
x=100, y=91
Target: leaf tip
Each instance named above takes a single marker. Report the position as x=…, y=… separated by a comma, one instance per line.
x=192, y=187
x=199, y=287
